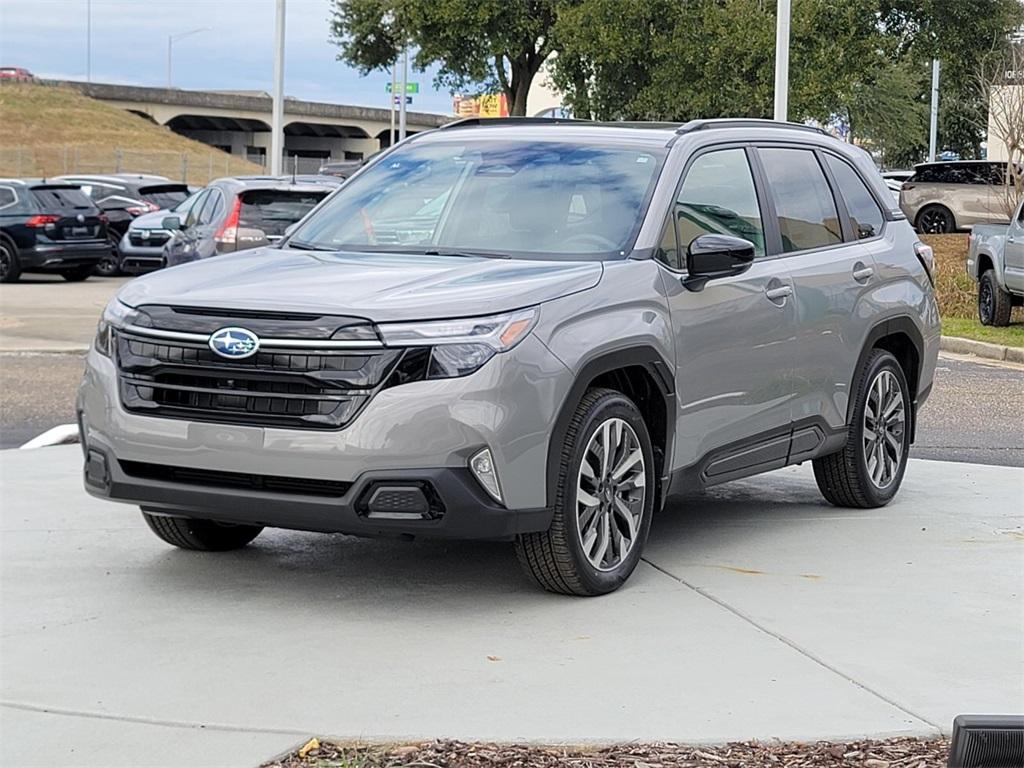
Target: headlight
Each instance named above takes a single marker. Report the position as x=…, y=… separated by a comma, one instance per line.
x=115, y=315
x=461, y=347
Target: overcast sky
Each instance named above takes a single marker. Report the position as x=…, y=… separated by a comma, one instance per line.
x=129, y=46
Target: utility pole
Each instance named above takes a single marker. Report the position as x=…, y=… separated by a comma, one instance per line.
x=391, y=96
x=782, y=60
x=402, y=96
x=88, y=41
x=171, y=40
x=933, y=127
x=277, y=120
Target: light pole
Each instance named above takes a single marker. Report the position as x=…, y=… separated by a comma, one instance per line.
x=277, y=116
x=782, y=60
x=171, y=40
x=933, y=124
x=88, y=41
x=402, y=96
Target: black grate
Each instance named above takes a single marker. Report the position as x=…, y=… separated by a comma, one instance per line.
x=215, y=478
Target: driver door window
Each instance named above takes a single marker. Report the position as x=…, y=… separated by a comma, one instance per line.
x=718, y=197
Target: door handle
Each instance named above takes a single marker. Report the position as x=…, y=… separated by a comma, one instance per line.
x=862, y=273
x=779, y=292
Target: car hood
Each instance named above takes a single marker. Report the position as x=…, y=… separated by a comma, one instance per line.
x=379, y=287
x=153, y=220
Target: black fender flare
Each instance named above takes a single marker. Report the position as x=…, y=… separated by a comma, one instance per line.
x=899, y=324
x=661, y=372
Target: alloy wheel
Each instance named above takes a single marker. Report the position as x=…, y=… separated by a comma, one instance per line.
x=986, y=303
x=884, y=429
x=610, y=494
x=934, y=222
x=6, y=261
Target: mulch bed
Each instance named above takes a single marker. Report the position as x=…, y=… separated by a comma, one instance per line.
x=889, y=753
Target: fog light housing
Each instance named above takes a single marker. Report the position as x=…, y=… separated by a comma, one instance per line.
x=482, y=467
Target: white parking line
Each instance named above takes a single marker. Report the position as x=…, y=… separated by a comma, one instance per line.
x=59, y=435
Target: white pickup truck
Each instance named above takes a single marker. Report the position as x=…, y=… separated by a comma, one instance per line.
x=995, y=259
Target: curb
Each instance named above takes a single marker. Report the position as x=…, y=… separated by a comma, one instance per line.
x=59, y=435
x=981, y=349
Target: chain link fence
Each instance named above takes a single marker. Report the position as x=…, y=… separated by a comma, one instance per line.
x=198, y=168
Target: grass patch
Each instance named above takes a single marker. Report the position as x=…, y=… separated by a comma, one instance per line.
x=50, y=130
x=970, y=328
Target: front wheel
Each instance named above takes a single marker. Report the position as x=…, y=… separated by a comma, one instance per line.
x=994, y=304
x=868, y=471
x=603, y=504
x=10, y=267
x=110, y=264
x=935, y=220
x=201, y=535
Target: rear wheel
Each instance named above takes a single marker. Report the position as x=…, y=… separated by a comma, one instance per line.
x=868, y=471
x=994, y=304
x=110, y=264
x=10, y=267
x=201, y=535
x=935, y=220
x=77, y=274
x=603, y=504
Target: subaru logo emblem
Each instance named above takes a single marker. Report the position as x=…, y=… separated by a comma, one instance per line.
x=234, y=342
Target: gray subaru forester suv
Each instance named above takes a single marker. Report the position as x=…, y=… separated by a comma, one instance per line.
x=526, y=330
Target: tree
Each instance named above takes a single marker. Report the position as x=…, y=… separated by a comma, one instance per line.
x=1000, y=81
x=485, y=45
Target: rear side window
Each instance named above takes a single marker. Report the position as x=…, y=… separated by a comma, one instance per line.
x=273, y=211
x=865, y=215
x=61, y=198
x=7, y=197
x=803, y=200
x=718, y=196
x=163, y=197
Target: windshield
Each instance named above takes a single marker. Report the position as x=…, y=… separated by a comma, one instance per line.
x=164, y=197
x=486, y=197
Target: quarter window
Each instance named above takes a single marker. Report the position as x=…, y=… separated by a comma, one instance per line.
x=718, y=197
x=803, y=200
x=865, y=215
x=7, y=197
x=668, y=250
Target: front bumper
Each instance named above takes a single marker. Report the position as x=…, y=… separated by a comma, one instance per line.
x=422, y=431
x=62, y=256
x=136, y=259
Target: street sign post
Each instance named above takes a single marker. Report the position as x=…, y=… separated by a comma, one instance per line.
x=410, y=88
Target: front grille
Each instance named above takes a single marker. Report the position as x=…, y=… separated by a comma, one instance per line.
x=297, y=388
x=217, y=479
x=155, y=239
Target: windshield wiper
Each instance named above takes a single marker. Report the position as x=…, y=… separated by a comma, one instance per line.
x=301, y=246
x=464, y=254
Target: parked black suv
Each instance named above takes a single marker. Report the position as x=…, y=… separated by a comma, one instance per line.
x=49, y=227
x=122, y=197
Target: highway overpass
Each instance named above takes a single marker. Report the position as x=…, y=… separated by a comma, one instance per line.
x=239, y=121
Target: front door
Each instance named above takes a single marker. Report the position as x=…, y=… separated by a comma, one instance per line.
x=734, y=338
x=1013, y=253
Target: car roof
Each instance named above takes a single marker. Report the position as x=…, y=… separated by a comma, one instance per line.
x=120, y=178
x=242, y=183
x=935, y=163
x=33, y=183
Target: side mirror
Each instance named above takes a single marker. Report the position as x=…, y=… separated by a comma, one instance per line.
x=710, y=257
x=171, y=222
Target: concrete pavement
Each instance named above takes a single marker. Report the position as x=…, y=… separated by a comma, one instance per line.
x=759, y=612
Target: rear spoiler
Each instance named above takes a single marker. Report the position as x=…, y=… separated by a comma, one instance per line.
x=151, y=189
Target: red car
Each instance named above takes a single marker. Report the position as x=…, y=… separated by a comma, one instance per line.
x=16, y=73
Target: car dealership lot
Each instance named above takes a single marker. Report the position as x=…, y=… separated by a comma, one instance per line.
x=759, y=612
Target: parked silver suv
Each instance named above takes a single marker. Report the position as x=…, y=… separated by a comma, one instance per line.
x=526, y=330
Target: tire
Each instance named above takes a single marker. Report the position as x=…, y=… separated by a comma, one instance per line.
x=848, y=478
x=935, y=220
x=201, y=535
x=994, y=304
x=110, y=265
x=557, y=559
x=77, y=274
x=10, y=267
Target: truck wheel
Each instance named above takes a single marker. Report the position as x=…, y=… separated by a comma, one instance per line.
x=77, y=274
x=603, y=504
x=867, y=472
x=10, y=267
x=935, y=220
x=994, y=304
x=201, y=535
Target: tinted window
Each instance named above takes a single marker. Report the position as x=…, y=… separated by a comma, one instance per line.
x=273, y=211
x=668, y=250
x=213, y=204
x=61, y=198
x=718, y=196
x=526, y=198
x=163, y=197
x=7, y=197
x=865, y=215
x=197, y=206
x=803, y=200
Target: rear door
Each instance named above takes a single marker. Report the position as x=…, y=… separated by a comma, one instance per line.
x=821, y=238
x=77, y=218
x=1013, y=254
x=734, y=338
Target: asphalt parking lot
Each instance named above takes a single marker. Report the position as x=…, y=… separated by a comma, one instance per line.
x=759, y=612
